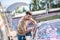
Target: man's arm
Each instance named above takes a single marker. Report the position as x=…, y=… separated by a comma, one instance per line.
x=35, y=27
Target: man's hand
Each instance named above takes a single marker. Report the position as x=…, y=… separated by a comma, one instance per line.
x=27, y=31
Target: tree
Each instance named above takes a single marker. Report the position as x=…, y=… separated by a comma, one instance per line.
x=55, y=5
x=46, y=4
x=24, y=9
x=20, y=10
x=49, y=2
x=34, y=5
x=16, y=10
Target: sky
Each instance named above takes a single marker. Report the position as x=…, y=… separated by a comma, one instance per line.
x=6, y=3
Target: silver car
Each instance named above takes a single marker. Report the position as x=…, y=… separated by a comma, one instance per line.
x=48, y=30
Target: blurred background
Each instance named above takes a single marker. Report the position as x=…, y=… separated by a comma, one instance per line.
x=45, y=12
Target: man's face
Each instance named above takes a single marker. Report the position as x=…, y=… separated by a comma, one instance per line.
x=28, y=17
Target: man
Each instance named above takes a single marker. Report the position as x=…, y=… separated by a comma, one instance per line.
x=24, y=27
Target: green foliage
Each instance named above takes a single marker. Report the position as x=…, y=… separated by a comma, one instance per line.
x=17, y=10
x=55, y=5
x=24, y=9
x=40, y=5
x=35, y=5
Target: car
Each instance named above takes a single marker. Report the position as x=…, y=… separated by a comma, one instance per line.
x=48, y=30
